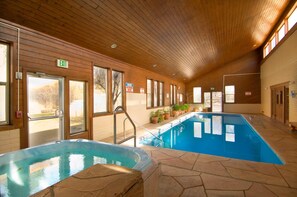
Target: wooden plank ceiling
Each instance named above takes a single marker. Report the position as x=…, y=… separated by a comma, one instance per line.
x=184, y=38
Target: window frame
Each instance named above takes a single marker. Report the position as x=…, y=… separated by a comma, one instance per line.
x=155, y=93
x=158, y=102
x=173, y=94
x=161, y=94
x=151, y=93
x=225, y=96
x=108, y=93
x=6, y=84
x=204, y=100
x=85, y=98
x=294, y=9
x=285, y=24
x=199, y=101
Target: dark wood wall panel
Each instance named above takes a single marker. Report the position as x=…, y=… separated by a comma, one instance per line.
x=246, y=64
x=250, y=83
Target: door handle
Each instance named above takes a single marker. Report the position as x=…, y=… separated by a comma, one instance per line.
x=59, y=113
x=29, y=116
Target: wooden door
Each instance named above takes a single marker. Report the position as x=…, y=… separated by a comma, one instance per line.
x=278, y=103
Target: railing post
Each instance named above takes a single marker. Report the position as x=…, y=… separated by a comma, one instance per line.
x=115, y=126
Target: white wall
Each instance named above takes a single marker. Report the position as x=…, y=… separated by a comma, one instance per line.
x=280, y=67
x=136, y=108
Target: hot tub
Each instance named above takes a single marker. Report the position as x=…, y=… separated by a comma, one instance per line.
x=25, y=172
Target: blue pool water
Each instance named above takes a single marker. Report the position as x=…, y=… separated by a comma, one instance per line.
x=227, y=135
x=25, y=172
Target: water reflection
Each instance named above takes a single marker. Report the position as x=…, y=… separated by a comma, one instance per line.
x=213, y=126
x=29, y=176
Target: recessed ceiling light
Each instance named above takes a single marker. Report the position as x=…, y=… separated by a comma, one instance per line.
x=113, y=46
x=155, y=65
x=173, y=74
x=254, y=45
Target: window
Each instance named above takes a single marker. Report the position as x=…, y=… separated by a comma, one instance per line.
x=292, y=19
x=77, y=106
x=230, y=94
x=161, y=92
x=287, y=24
x=117, y=89
x=180, y=98
x=207, y=102
x=4, y=84
x=281, y=32
x=157, y=88
x=273, y=42
x=174, y=94
x=148, y=93
x=197, y=94
x=155, y=93
x=171, y=94
x=100, y=89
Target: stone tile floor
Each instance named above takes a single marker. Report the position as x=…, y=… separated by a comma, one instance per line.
x=192, y=174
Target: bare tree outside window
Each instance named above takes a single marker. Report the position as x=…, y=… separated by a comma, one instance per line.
x=100, y=90
x=117, y=83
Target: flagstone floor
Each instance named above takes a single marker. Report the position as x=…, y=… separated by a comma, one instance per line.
x=189, y=174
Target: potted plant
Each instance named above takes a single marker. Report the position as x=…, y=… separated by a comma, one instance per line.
x=154, y=117
x=196, y=109
x=166, y=114
x=160, y=114
x=175, y=110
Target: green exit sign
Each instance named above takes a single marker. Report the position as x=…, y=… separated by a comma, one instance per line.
x=62, y=63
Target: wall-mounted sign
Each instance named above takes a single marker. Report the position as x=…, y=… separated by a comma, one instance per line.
x=62, y=63
x=248, y=93
x=129, y=87
x=142, y=90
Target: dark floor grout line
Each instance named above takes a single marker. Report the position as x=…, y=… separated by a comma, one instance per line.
x=195, y=162
x=225, y=169
x=270, y=190
x=283, y=177
x=177, y=181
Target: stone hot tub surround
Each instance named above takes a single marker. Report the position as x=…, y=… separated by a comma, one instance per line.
x=99, y=180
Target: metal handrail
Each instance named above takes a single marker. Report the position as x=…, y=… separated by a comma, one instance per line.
x=115, y=127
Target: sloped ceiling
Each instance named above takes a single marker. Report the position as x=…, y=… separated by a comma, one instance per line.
x=184, y=38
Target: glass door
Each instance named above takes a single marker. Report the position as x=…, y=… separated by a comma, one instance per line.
x=77, y=106
x=45, y=108
x=216, y=101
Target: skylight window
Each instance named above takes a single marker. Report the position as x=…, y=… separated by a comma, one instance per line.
x=273, y=42
x=287, y=24
x=292, y=19
x=281, y=32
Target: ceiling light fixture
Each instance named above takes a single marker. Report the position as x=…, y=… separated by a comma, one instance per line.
x=173, y=74
x=113, y=46
x=155, y=65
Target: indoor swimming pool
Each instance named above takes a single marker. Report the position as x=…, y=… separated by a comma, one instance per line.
x=227, y=135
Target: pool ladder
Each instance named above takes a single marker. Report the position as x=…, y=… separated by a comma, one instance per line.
x=115, y=127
